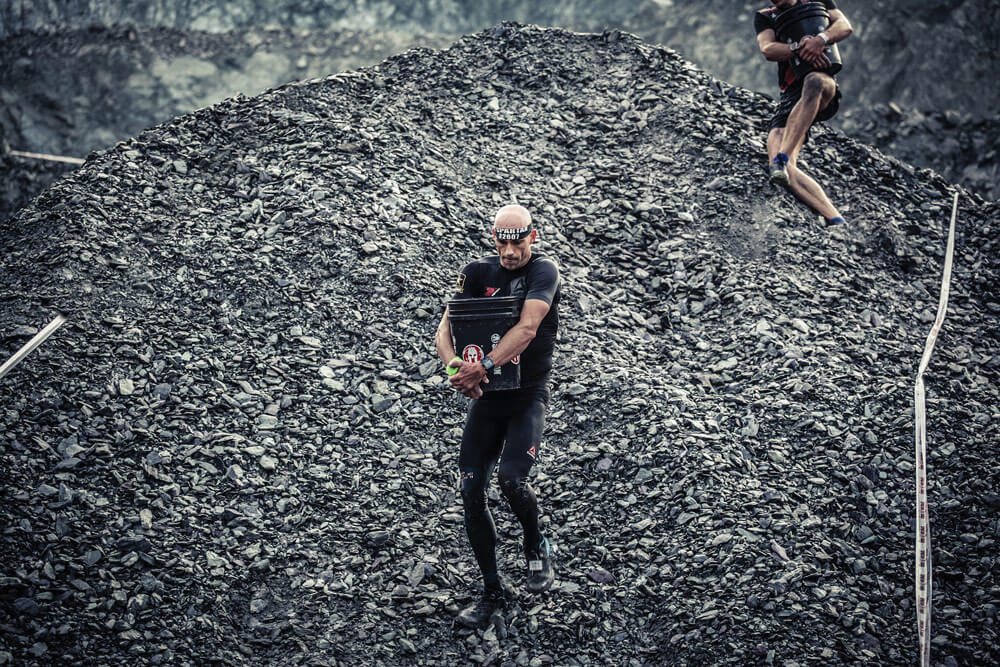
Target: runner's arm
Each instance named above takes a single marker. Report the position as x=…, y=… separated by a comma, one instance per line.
x=466, y=380
x=512, y=344
x=442, y=339
x=543, y=285
x=521, y=334
x=839, y=29
x=771, y=48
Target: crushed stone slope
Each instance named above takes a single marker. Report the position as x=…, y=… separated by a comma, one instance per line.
x=242, y=448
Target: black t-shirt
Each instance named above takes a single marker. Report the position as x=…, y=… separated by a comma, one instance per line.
x=538, y=279
x=767, y=18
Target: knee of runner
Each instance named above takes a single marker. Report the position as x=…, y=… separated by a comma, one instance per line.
x=816, y=82
x=513, y=484
x=473, y=491
x=474, y=502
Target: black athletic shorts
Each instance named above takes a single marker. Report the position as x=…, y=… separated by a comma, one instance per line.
x=790, y=96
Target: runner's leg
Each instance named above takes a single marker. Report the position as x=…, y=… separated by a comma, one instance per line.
x=520, y=451
x=482, y=439
x=801, y=184
x=817, y=91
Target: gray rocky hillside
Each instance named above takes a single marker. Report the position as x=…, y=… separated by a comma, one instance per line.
x=242, y=449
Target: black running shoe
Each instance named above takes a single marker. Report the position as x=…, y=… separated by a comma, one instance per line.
x=779, y=173
x=540, y=573
x=478, y=614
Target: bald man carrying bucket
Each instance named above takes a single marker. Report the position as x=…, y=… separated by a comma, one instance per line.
x=505, y=426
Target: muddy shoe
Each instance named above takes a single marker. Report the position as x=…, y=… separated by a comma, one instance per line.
x=479, y=613
x=540, y=572
x=779, y=173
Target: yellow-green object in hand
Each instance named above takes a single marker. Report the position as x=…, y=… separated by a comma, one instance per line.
x=451, y=369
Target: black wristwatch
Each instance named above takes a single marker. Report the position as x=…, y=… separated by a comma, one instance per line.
x=488, y=364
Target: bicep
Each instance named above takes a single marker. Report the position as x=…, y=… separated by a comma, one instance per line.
x=837, y=15
x=533, y=312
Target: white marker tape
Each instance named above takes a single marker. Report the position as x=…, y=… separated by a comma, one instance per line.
x=922, y=570
x=50, y=158
x=32, y=344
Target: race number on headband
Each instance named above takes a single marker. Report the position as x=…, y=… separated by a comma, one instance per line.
x=512, y=234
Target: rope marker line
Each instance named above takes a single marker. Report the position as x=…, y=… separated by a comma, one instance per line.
x=50, y=158
x=922, y=569
x=32, y=344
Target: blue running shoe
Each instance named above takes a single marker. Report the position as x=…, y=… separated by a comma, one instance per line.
x=779, y=172
x=540, y=573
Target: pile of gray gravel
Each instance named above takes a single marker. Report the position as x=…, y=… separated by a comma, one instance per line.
x=242, y=449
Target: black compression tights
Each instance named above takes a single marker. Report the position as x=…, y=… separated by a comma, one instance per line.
x=510, y=431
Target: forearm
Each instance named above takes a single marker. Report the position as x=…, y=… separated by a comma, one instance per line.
x=442, y=340
x=513, y=343
x=777, y=51
x=839, y=30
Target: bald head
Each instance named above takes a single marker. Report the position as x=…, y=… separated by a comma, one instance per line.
x=512, y=216
x=513, y=236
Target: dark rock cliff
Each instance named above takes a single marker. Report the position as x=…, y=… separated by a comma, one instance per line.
x=242, y=449
x=903, y=51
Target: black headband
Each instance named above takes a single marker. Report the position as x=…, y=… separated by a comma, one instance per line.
x=512, y=234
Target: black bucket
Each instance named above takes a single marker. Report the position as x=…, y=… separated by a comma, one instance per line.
x=477, y=326
x=803, y=20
